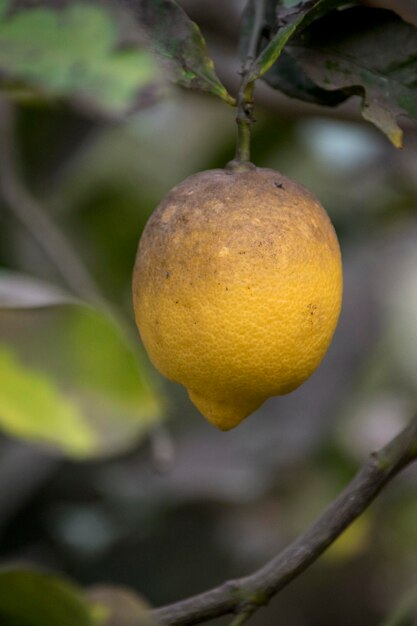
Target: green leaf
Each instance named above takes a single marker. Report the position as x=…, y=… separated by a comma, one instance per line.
x=331, y=55
x=76, y=53
x=369, y=52
x=180, y=44
x=32, y=407
x=4, y=5
x=70, y=380
x=283, y=24
x=288, y=76
x=116, y=606
x=36, y=598
x=30, y=598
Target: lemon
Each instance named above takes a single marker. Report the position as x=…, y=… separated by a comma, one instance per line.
x=237, y=288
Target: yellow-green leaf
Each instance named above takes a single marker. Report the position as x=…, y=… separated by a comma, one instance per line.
x=32, y=407
x=69, y=377
x=30, y=598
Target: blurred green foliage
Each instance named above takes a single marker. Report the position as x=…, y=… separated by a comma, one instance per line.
x=76, y=54
x=34, y=599
x=84, y=390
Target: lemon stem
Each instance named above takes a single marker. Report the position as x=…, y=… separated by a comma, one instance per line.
x=244, y=117
x=244, y=120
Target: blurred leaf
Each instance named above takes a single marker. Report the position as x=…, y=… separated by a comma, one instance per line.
x=179, y=42
x=29, y=598
x=288, y=76
x=75, y=52
x=34, y=598
x=115, y=606
x=4, y=5
x=352, y=542
x=368, y=52
x=70, y=380
x=32, y=407
x=21, y=292
x=282, y=24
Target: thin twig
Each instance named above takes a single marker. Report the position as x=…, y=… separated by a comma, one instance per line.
x=257, y=589
x=31, y=214
x=255, y=35
x=243, y=617
x=244, y=116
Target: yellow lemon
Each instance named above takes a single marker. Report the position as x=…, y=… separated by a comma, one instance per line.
x=237, y=288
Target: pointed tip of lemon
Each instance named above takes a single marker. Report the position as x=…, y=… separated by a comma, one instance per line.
x=224, y=414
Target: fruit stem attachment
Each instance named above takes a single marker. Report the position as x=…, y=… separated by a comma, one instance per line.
x=244, y=120
x=244, y=117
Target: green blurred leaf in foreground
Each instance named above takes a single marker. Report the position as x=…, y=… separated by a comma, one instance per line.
x=180, y=44
x=68, y=377
x=34, y=598
x=29, y=598
x=76, y=52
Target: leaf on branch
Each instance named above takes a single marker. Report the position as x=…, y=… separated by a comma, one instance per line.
x=281, y=23
x=70, y=380
x=333, y=54
x=368, y=52
x=79, y=52
x=287, y=75
x=179, y=43
x=31, y=598
x=116, y=606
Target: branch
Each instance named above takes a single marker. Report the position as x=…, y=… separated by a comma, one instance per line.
x=244, y=117
x=30, y=213
x=242, y=617
x=244, y=595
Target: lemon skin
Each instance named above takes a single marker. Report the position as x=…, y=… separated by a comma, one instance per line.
x=237, y=288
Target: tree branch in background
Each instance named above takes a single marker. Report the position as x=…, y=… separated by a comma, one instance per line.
x=245, y=595
x=244, y=117
x=31, y=214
